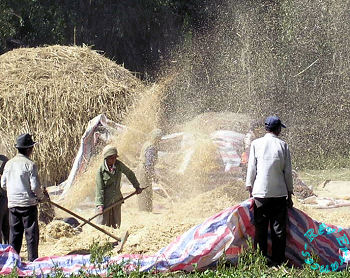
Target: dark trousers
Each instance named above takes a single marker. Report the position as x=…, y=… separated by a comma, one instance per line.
x=271, y=211
x=4, y=220
x=25, y=219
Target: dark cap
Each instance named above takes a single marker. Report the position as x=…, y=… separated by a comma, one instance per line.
x=273, y=121
x=24, y=141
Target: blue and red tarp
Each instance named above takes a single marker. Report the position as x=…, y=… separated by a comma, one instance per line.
x=201, y=246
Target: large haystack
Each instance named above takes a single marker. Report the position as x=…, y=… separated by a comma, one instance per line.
x=53, y=92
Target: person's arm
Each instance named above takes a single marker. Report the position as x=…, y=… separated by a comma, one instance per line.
x=288, y=175
x=131, y=177
x=251, y=170
x=4, y=179
x=99, y=200
x=35, y=183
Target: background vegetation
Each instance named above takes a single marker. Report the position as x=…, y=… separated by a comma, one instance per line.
x=137, y=33
x=288, y=57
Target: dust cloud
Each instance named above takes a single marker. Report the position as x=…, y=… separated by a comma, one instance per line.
x=288, y=58
x=260, y=58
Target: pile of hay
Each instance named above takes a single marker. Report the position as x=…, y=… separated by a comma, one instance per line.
x=52, y=92
x=149, y=232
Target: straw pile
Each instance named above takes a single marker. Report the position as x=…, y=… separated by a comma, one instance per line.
x=149, y=232
x=53, y=92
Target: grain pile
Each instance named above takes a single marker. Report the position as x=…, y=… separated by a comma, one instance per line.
x=53, y=92
x=203, y=161
x=149, y=232
x=57, y=229
x=301, y=190
x=205, y=169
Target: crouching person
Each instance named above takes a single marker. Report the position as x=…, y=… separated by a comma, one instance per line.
x=20, y=180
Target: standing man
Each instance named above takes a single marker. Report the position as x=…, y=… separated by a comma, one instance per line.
x=20, y=180
x=108, y=186
x=270, y=183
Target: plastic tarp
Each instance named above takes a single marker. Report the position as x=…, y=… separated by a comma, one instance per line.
x=98, y=129
x=201, y=246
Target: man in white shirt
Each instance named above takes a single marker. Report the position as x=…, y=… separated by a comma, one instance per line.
x=270, y=183
x=20, y=180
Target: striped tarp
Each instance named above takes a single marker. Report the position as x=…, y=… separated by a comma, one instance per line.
x=224, y=233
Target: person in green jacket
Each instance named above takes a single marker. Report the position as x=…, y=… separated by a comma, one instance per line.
x=108, y=186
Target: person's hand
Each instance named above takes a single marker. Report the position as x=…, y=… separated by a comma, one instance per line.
x=138, y=190
x=100, y=209
x=250, y=189
x=46, y=196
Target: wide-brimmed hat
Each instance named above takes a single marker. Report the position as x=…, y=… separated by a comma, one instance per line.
x=24, y=141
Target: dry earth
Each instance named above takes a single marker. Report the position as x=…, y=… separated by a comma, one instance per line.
x=149, y=232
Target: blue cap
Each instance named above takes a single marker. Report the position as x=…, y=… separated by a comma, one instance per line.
x=273, y=121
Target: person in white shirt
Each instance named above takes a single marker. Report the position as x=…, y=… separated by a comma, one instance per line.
x=270, y=182
x=20, y=180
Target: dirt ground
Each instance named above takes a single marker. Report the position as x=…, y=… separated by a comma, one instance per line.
x=336, y=216
x=149, y=232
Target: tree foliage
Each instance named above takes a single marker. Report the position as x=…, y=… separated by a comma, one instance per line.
x=137, y=33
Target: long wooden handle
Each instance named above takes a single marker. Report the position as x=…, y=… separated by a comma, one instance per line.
x=110, y=207
x=107, y=209
x=85, y=221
